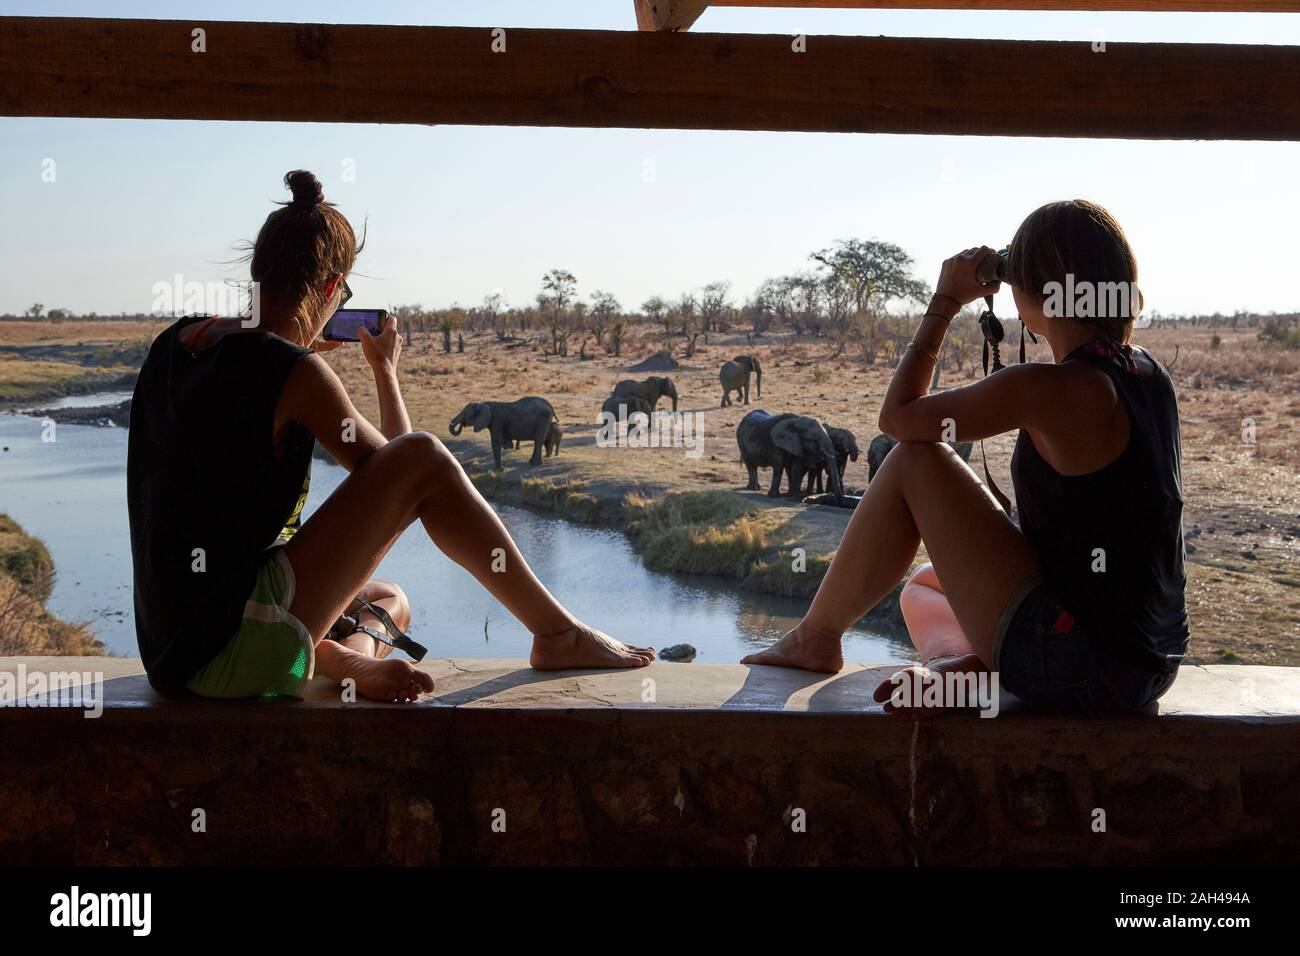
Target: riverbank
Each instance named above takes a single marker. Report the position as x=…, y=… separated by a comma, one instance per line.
x=45, y=364
x=26, y=581
x=772, y=547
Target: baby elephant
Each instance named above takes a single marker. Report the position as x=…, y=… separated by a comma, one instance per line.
x=553, y=436
x=846, y=450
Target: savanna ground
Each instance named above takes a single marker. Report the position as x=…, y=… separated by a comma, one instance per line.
x=1239, y=402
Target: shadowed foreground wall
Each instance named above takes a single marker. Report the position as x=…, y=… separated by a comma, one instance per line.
x=714, y=771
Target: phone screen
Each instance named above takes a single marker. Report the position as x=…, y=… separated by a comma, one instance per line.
x=345, y=324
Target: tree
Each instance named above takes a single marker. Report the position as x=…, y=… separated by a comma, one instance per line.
x=875, y=272
x=685, y=311
x=714, y=306
x=35, y=310
x=448, y=321
x=860, y=277
x=657, y=310
x=494, y=304
x=600, y=317
x=558, y=290
x=805, y=303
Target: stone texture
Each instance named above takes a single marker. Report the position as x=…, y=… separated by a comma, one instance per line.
x=672, y=764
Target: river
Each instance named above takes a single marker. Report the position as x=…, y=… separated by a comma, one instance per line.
x=71, y=493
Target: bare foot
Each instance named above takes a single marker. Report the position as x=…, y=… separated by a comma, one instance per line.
x=579, y=646
x=390, y=679
x=803, y=650
x=920, y=674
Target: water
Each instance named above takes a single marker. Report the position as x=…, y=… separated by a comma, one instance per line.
x=71, y=493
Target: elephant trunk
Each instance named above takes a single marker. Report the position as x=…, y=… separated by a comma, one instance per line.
x=833, y=482
x=455, y=426
x=758, y=381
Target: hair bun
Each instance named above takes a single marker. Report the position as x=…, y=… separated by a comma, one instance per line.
x=306, y=188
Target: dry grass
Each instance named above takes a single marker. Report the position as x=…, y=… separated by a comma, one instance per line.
x=76, y=332
x=26, y=580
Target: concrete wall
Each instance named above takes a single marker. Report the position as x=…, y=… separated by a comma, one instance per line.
x=715, y=772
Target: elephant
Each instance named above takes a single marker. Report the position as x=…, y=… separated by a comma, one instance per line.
x=651, y=389
x=734, y=376
x=553, y=436
x=528, y=419
x=790, y=445
x=881, y=444
x=846, y=450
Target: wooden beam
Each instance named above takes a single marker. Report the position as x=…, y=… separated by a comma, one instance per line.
x=667, y=15
x=1106, y=6
x=144, y=69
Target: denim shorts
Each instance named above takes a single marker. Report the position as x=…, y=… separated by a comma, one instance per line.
x=1049, y=661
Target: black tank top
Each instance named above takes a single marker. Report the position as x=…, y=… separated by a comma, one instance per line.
x=204, y=475
x=1125, y=518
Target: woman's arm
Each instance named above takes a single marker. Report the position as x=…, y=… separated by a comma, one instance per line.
x=314, y=397
x=989, y=407
x=1047, y=400
x=381, y=352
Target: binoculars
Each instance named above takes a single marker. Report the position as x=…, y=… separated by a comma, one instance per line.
x=993, y=268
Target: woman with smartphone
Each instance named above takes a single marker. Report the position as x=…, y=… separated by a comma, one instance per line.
x=1081, y=608
x=234, y=593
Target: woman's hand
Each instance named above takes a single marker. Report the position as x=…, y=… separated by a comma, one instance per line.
x=957, y=278
x=381, y=351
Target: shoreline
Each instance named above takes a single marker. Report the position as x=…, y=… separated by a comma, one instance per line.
x=727, y=534
x=26, y=582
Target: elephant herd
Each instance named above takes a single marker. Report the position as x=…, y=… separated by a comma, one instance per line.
x=809, y=455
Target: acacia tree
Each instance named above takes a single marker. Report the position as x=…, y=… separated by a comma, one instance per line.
x=871, y=273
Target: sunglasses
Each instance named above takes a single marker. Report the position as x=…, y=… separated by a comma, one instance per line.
x=347, y=294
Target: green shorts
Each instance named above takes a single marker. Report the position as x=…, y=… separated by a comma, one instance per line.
x=271, y=655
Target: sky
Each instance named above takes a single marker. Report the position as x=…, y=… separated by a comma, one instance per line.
x=455, y=213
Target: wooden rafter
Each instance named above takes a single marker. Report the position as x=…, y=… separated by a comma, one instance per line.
x=680, y=14
x=667, y=15
x=145, y=69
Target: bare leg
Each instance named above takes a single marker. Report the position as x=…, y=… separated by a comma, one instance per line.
x=925, y=492
x=415, y=477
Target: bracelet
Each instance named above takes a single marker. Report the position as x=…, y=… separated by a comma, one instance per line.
x=923, y=350
x=940, y=315
x=940, y=295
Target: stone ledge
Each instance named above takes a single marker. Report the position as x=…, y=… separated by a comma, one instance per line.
x=588, y=772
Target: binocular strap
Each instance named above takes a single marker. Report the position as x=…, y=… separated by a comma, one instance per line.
x=348, y=625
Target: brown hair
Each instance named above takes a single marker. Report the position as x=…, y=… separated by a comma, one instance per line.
x=302, y=244
x=1079, y=238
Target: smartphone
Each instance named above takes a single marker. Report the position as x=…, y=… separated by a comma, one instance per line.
x=345, y=324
